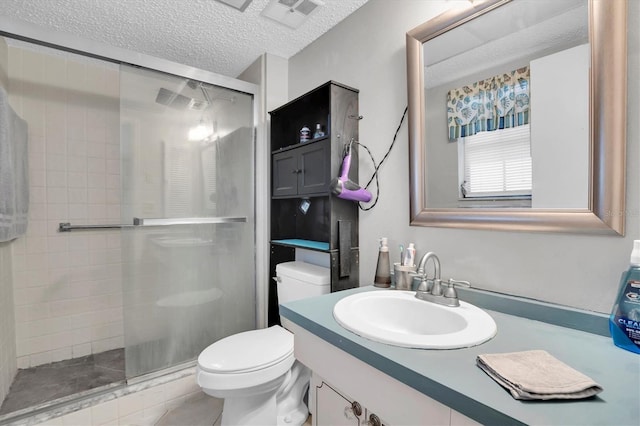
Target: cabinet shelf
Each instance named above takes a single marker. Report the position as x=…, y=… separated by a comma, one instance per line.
x=297, y=145
x=306, y=244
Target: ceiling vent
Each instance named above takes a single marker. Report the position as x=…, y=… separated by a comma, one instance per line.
x=291, y=13
x=241, y=5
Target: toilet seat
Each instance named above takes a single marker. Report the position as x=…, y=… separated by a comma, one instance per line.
x=248, y=351
x=251, y=358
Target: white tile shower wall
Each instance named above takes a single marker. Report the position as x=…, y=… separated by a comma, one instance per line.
x=8, y=365
x=67, y=286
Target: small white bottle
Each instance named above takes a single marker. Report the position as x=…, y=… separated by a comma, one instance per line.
x=383, y=270
x=409, y=256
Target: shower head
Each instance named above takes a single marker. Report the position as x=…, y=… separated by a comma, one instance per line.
x=207, y=96
x=175, y=100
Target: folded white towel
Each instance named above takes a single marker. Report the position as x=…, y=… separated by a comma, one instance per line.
x=14, y=172
x=537, y=374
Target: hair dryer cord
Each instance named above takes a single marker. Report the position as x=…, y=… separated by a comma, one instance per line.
x=377, y=166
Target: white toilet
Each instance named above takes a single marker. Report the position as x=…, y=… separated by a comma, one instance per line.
x=255, y=372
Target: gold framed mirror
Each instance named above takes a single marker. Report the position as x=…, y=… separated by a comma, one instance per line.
x=606, y=77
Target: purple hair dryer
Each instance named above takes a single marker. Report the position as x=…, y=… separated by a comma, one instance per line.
x=345, y=188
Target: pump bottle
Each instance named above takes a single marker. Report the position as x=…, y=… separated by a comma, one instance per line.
x=624, y=322
x=383, y=270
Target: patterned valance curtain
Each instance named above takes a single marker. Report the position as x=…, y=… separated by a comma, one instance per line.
x=494, y=103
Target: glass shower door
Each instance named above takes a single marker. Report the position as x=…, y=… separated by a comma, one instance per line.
x=187, y=157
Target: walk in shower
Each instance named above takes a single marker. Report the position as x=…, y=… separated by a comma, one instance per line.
x=140, y=249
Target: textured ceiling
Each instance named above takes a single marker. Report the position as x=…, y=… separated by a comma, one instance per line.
x=201, y=33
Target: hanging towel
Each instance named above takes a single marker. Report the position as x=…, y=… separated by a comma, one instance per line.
x=14, y=172
x=537, y=374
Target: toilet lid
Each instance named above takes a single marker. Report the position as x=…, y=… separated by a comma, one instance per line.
x=247, y=351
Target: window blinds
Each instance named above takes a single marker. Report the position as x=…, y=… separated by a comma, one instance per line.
x=498, y=163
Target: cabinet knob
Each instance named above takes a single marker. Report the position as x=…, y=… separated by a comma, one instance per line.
x=296, y=171
x=374, y=420
x=353, y=411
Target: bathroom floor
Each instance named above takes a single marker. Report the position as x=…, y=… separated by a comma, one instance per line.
x=201, y=410
x=37, y=385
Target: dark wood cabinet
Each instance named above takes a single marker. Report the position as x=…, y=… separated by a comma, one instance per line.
x=303, y=170
x=304, y=213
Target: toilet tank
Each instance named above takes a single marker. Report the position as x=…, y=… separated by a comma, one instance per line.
x=298, y=280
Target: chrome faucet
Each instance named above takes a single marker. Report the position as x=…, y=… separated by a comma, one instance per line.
x=431, y=289
x=424, y=284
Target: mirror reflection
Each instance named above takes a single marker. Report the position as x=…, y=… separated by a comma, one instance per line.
x=507, y=109
x=528, y=80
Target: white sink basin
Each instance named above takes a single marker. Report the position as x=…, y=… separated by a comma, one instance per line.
x=398, y=318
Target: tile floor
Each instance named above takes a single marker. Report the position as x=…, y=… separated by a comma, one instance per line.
x=201, y=410
x=37, y=385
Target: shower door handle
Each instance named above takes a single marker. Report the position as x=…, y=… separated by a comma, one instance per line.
x=139, y=221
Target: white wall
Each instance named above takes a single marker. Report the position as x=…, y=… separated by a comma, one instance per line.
x=560, y=129
x=367, y=51
x=67, y=286
x=270, y=73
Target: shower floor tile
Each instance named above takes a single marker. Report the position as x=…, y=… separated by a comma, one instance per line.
x=37, y=385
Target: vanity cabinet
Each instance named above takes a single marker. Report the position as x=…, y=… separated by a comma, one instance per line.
x=332, y=408
x=304, y=213
x=302, y=170
x=339, y=379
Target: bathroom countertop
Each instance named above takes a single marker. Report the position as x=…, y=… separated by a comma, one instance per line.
x=452, y=377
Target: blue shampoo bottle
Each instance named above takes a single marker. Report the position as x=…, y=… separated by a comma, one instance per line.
x=624, y=322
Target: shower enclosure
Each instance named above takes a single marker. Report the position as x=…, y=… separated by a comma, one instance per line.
x=187, y=183
x=142, y=237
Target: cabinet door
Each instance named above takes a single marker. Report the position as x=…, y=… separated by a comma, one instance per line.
x=285, y=173
x=315, y=168
x=333, y=409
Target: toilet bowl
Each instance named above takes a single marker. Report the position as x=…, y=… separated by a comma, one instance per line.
x=255, y=372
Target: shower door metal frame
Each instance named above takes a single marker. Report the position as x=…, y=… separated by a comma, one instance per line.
x=44, y=37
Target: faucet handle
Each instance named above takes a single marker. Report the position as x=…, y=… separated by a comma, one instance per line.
x=451, y=293
x=425, y=285
x=451, y=282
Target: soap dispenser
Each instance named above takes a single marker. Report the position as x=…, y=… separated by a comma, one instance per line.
x=624, y=322
x=383, y=270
